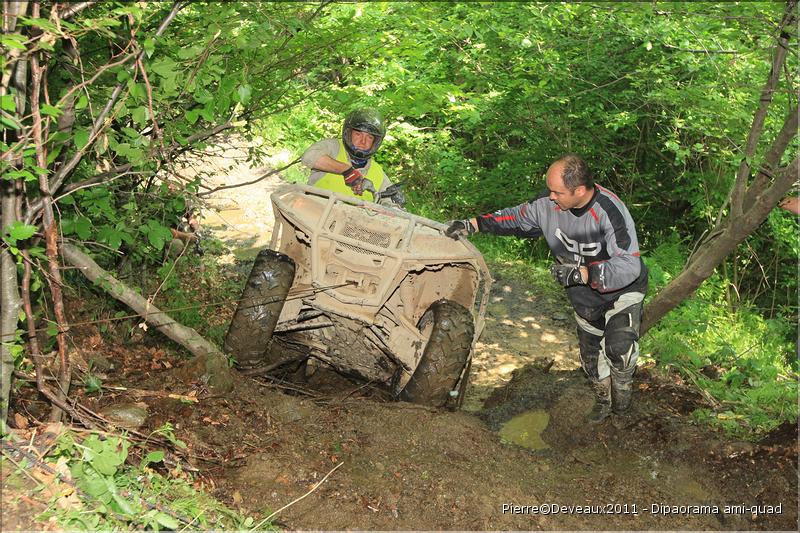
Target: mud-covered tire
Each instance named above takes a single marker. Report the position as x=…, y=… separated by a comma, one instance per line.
x=260, y=306
x=445, y=354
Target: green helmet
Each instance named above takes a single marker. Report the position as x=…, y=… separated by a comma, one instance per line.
x=369, y=121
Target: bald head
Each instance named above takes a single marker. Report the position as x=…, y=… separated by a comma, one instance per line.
x=570, y=182
x=574, y=172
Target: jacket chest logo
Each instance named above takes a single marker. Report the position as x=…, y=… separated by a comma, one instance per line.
x=579, y=249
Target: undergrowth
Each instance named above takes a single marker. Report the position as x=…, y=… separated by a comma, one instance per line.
x=106, y=482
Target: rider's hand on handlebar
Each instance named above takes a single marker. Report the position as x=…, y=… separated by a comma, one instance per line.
x=355, y=180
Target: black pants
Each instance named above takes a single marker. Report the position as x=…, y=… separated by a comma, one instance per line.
x=613, y=338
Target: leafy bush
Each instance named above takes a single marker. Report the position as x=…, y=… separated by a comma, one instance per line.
x=124, y=487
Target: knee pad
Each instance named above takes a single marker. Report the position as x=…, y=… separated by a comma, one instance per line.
x=622, y=339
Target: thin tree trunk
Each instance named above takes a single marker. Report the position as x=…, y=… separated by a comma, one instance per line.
x=748, y=207
x=711, y=253
x=51, y=235
x=10, y=301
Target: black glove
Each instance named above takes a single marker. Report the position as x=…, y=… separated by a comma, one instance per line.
x=567, y=275
x=459, y=228
x=399, y=198
x=355, y=180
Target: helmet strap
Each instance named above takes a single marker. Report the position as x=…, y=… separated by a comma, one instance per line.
x=359, y=163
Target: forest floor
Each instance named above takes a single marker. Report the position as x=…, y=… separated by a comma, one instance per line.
x=397, y=466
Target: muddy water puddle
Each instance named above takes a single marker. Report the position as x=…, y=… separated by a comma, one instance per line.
x=526, y=430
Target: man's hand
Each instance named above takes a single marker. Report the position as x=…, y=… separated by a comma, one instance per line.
x=568, y=275
x=459, y=228
x=355, y=180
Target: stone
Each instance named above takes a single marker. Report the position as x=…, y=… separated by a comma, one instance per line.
x=128, y=415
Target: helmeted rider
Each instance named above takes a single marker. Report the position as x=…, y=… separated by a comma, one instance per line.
x=346, y=165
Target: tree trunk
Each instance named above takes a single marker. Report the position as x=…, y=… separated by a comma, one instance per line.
x=10, y=301
x=213, y=363
x=711, y=253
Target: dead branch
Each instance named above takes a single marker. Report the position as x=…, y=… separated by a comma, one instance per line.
x=262, y=177
x=185, y=336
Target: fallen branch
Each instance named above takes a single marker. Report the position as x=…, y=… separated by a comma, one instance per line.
x=142, y=393
x=213, y=364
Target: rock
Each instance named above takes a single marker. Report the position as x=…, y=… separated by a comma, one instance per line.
x=212, y=370
x=559, y=317
x=100, y=362
x=128, y=415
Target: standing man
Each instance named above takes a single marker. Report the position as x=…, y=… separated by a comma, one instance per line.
x=593, y=238
x=346, y=165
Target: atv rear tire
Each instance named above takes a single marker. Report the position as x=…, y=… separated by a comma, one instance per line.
x=445, y=354
x=259, y=308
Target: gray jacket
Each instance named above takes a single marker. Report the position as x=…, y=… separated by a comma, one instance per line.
x=600, y=235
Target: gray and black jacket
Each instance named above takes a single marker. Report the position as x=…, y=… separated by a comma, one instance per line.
x=601, y=235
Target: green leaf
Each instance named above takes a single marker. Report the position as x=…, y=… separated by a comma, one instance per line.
x=156, y=240
x=94, y=486
x=9, y=122
x=81, y=139
x=124, y=506
x=191, y=116
x=207, y=114
x=153, y=457
x=244, y=92
x=7, y=103
x=139, y=115
x=110, y=236
x=19, y=231
x=149, y=46
x=13, y=40
x=50, y=111
x=19, y=174
x=53, y=154
x=82, y=102
x=41, y=23
x=83, y=227
x=167, y=521
x=165, y=67
x=92, y=383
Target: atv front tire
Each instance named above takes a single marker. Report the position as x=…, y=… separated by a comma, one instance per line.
x=259, y=308
x=444, y=357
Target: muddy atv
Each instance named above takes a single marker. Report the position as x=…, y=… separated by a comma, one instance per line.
x=374, y=292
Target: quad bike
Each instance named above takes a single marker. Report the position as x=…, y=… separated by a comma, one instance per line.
x=375, y=292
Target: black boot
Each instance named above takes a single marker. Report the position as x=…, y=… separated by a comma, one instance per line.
x=602, y=406
x=621, y=389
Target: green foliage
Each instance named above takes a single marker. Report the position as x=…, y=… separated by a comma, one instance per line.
x=755, y=357
x=480, y=98
x=117, y=493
